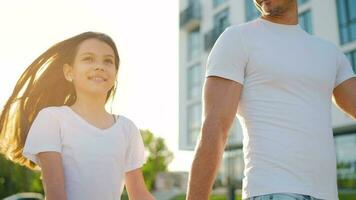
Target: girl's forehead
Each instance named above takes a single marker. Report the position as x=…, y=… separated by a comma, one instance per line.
x=95, y=46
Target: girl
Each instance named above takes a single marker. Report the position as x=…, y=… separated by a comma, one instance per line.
x=56, y=120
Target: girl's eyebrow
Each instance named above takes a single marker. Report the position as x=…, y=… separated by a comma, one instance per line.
x=86, y=54
x=89, y=53
x=109, y=55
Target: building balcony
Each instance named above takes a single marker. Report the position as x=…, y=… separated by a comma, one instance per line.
x=211, y=37
x=190, y=17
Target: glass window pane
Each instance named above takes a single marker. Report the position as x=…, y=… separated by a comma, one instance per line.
x=352, y=32
x=341, y=11
x=218, y=2
x=221, y=21
x=352, y=9
x=194, y=44
x=194, y=122
x=251, y=11
x=305, y=21
x=344, y=35
x=347, y=20
x=353, y=60
x=194, y=82
x=300, y=2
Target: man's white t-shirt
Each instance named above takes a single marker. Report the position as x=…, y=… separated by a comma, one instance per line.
x=288, y=77
x=94, y=160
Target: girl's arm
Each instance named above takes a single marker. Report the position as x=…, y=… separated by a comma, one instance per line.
x=135, y=186
x=52, y=175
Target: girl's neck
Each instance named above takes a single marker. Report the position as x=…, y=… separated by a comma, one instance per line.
x=89, y=105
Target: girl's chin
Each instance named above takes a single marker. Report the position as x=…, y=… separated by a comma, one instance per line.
x=98, y=92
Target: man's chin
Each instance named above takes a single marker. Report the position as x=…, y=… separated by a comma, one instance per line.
x=266, y=13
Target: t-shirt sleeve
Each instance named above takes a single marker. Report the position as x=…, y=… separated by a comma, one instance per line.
x=135, y=154
x=228, y=57
x=344, y=69
x=43, y=136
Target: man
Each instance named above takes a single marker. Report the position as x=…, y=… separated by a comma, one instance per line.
x=280, y=81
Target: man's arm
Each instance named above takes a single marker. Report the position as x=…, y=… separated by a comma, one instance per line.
x=135, y=186
x=53, y=175
x=344, y=96
x=221, y=97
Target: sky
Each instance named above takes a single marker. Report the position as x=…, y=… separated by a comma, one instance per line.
x=146, y=34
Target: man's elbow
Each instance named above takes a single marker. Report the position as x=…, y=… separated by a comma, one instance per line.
x=352, y=110
x=214, y=131
x=353, y=114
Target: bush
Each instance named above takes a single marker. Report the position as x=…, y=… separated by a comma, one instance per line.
x=15, y=178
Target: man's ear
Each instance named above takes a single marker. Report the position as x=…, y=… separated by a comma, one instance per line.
x=67, y=71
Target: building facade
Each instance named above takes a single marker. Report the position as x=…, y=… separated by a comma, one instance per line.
x=201, y=23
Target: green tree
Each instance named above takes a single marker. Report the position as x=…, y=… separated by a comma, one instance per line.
x=15, y=178
x=158, y=157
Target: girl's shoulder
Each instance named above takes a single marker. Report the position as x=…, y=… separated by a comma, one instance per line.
x=52, y=111
x=125, y=121
x=128, y=125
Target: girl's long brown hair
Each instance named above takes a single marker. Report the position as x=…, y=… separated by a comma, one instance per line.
x=42, y=85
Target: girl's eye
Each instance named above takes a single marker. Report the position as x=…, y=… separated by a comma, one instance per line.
x=89, y=59
x=108, y=61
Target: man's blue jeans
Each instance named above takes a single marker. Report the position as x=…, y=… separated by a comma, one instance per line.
x=283, y=196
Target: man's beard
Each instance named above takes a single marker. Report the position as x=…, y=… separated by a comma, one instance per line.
x=278, y=10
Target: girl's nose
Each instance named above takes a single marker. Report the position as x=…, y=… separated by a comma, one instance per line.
x=98, y=67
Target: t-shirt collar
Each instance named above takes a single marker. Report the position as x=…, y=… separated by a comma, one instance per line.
x=280, y=26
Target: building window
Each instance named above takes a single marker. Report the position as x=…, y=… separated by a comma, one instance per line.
x=305, y=21
x=190, y=17
x=346, y=160
x=218, y=2
x=347, y=20
x=194, y=122
x=194, y=82
x=194, y=44
x=352, y=57
x=221, y=20
x=251, y=11
x=300, y=2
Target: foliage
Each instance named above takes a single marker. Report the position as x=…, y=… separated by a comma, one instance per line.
x=158, y=157
x=15, y=178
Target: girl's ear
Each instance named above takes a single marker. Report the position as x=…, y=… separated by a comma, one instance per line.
x=67, y=71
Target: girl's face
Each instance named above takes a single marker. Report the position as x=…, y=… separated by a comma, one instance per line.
x=93, y=70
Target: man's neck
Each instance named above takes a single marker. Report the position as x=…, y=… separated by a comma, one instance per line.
x=285, y=19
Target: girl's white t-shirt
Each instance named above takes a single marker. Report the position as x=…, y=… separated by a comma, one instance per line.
x=94, y=159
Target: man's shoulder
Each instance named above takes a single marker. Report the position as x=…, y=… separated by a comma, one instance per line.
x=250, y=25
x=323, y=42
x=242, y=29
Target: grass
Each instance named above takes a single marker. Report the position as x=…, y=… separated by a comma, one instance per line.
x=347, y=196
x=212, y=197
